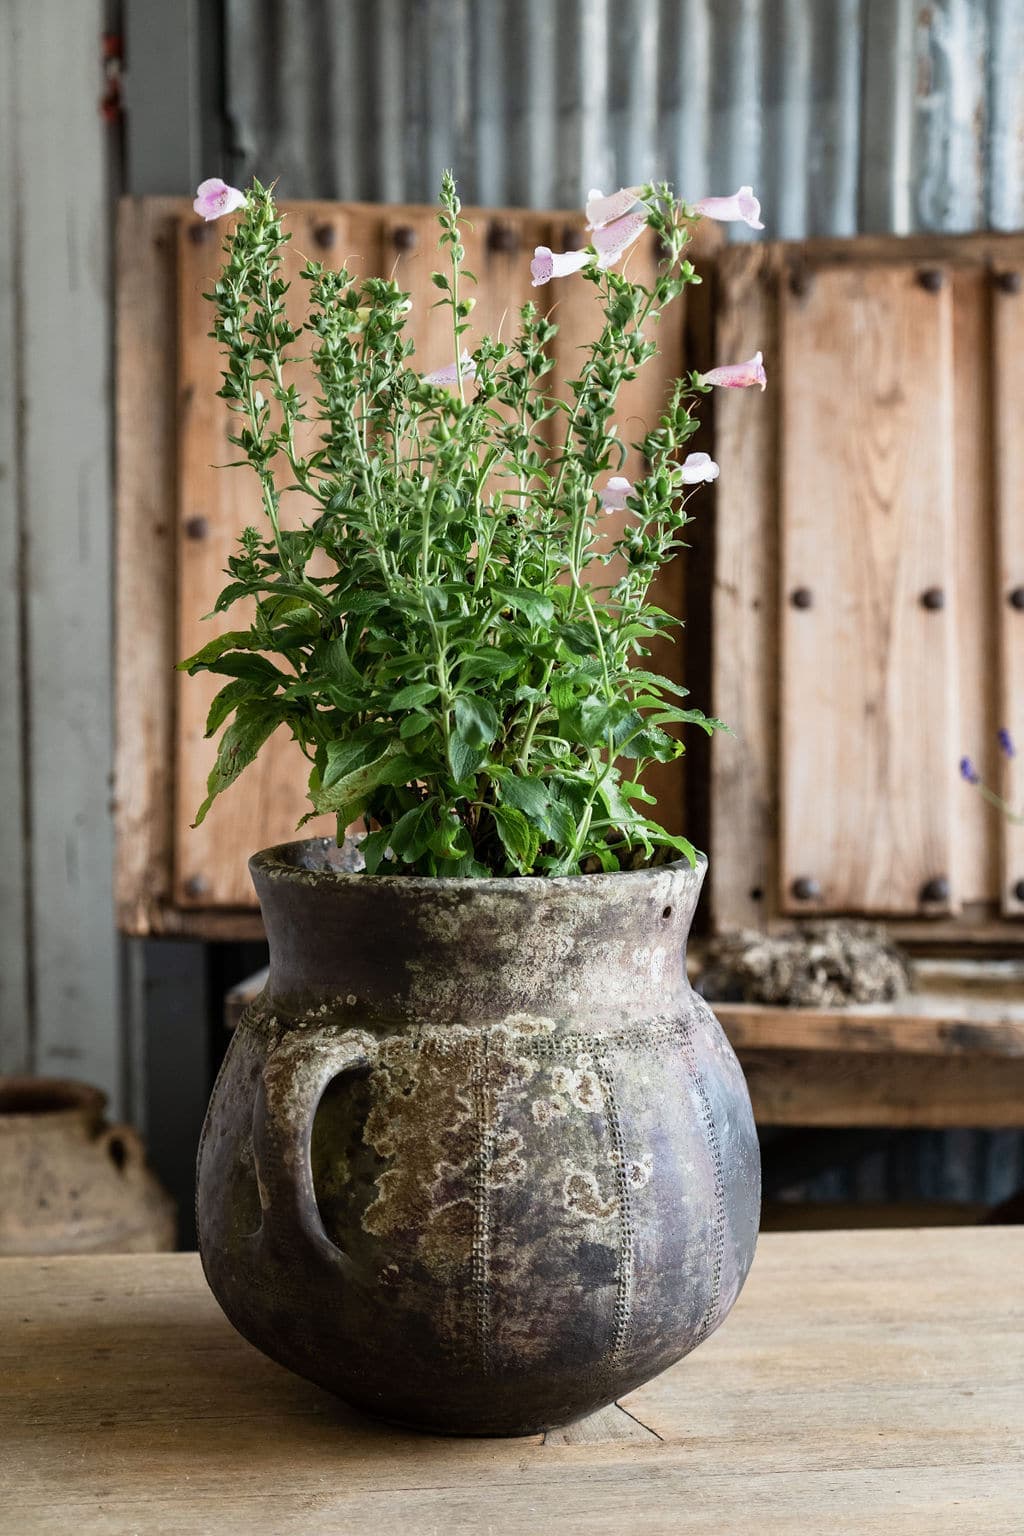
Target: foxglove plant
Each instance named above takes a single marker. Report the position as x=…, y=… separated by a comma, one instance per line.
x=438, y=628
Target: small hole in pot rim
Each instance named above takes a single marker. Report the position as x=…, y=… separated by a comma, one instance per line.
x=667, y=913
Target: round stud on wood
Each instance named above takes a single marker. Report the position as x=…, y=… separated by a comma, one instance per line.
x=934, y=599
x=806, y=888
x=800, y=282
x=802, y=597
x=404, y=237
x=936, y=889
x=1008, y=282
x=1016, y=599
x=573, y=238
x=196, y=527
x=502, y=238
x=931, y=279
x=199, y=233
x=1018, y=891
x=325, y=236
x=196, y=885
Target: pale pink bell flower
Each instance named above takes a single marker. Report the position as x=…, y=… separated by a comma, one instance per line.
x=214, y=198
x=738, y=375
x=612, y=240
x=449, y=375
x=698, y=467
x=603, y=210
x=547, y=264
x=741, y=206
x=613, y=495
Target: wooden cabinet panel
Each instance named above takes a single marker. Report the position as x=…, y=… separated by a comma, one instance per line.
x=867, y=741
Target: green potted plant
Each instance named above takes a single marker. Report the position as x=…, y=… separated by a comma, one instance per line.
x=478, y=1159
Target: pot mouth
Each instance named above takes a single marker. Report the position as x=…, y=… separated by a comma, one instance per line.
x=30, y=1098
x=320, y=861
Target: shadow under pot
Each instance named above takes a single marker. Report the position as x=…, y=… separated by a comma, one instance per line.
x=72, y=1183
x=478, y=1161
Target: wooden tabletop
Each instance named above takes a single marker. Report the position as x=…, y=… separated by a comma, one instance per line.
x=867, y=1382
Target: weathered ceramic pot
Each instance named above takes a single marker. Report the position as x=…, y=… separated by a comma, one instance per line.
x=71, y=1183
x=478, y=1159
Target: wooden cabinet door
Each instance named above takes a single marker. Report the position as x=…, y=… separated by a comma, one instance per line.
x=867, y=736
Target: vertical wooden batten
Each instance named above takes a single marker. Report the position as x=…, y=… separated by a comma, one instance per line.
x=61, y=298
x=1008, y=402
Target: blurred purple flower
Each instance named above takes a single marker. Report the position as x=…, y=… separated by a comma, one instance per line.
x=968, y=771
x=1006, y=742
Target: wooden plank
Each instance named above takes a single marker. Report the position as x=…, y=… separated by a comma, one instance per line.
x=975, y=603
x=744, y=653
x=65, y=437
x=868, y=752
x=1008, y=402
x=918, y=1026
x=147, y=475
x=894, y=1356
x=856, y=1087
x=15, y=1021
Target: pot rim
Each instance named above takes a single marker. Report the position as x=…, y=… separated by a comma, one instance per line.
x=280, y=862
x=35, y=1099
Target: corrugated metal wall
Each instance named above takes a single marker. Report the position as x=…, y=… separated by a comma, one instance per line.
x=846, y=115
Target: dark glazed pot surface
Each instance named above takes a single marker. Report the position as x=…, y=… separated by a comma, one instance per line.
x=478, y=1159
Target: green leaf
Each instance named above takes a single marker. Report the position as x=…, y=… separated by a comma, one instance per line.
x=476, y=721
x=464, y=760
x=252, y=725
x=537, y=607
x=410, y=836
x=519, y=839
x=354, y=770
x=413, y=695
x=414, y=724
x=230, y=696
x=528, y=795
x=232, y=640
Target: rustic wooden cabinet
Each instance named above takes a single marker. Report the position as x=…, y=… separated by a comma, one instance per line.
x=868, y=549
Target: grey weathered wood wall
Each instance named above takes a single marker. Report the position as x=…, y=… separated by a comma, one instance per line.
x=59, y=1003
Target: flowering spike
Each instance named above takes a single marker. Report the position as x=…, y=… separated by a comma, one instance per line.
x=214, y=198
x=738, y=375
x=741, y=206
x=603, y=210
x=613, y=495
x=547, y=264
x=968, y=772
x=698, y=467
x=1006, y=742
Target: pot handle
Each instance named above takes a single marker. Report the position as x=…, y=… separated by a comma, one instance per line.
x=287, y=1098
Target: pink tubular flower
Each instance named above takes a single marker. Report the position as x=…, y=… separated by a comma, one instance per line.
x=738, y=375
x=613, y=495
x=450, y=374
x=742, y=205
x=215, y=197
x=612, y=240
x=547, y=264
x=697, y=467
x=603, y=210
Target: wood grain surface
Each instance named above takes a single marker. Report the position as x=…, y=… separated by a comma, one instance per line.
x=868, y=755
x=867, y=1384
x=1008, y=405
